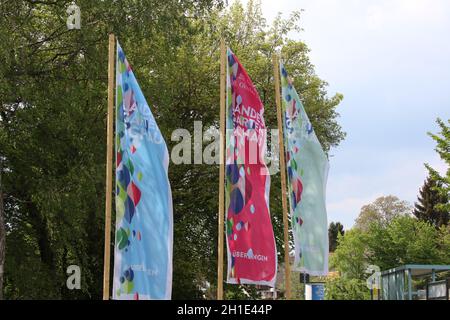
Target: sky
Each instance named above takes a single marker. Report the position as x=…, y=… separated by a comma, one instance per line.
x=391, y=61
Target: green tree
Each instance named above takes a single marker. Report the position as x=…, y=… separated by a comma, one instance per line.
x=350, y=256
x=52, y=109
x=2, y=232
x=52, y=114
x=444, y=243
x=405, y=240
x=443, y=149
x=383, y=210
x=429, y=206
x=346, y=289
x=350, y=260
x=334, y=230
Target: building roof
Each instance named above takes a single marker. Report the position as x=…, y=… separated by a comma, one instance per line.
x=418, y=270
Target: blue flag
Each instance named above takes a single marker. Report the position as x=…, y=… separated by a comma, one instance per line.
x=144, y=222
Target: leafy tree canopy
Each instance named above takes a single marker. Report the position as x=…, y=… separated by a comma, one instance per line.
x=383, y=210
x=443, y=149
x=53, y=88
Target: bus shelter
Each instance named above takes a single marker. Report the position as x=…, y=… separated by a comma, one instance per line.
x=397, y=283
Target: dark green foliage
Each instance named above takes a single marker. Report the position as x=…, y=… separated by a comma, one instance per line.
x=53, y=90
x=427, y=208
x=443, y=149
x=346, y=289
x=334, y=230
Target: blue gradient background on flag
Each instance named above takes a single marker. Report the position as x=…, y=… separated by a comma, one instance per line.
x=143, y=251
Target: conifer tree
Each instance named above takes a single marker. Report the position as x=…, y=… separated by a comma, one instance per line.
x=429, y=205
x=333, y=232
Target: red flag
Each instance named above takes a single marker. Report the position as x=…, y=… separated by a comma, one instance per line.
x=251, y=246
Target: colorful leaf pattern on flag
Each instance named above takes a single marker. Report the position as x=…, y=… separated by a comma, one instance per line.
x=144, y=226
x=251, y=246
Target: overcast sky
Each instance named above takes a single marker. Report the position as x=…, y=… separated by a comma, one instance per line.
x=391, y=60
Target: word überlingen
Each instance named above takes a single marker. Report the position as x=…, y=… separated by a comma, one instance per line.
x=245, y=255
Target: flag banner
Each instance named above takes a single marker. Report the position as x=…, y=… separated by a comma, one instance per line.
x=144, y=222
x=252, y=257
x=307, y=171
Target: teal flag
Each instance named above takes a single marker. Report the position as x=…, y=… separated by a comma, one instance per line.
x=307, y=171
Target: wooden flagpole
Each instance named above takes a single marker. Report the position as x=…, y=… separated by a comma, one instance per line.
x=287, y=268
x=222, y=171
x=109, y=159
